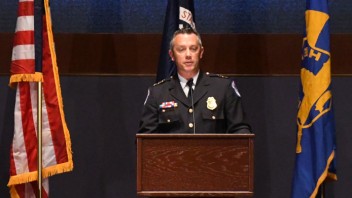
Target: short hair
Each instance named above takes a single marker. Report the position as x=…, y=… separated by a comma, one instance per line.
x=186, y=30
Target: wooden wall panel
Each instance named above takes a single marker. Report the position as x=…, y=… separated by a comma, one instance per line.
x=138, y=54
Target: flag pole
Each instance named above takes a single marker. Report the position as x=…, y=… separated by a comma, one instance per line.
x=38, y=43
x=321, y=191
x=39, y=136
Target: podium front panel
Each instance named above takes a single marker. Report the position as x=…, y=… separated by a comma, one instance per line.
x=183, y=164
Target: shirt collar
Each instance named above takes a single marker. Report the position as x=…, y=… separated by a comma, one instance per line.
x=183, y=81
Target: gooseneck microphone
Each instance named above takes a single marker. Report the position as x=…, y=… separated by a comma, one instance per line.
x=194, y=120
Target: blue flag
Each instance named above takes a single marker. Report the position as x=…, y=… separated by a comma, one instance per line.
x=316, y=145
x=179, y=14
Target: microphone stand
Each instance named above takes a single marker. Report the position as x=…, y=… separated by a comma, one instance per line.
x=192, y=103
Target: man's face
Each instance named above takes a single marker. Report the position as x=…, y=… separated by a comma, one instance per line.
x=186, y=53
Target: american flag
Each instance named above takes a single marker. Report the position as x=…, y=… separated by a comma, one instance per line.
x=56, y=143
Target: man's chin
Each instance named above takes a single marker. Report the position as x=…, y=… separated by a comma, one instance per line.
x=190, y=68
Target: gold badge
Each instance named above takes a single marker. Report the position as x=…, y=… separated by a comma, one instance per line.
x=211, y=103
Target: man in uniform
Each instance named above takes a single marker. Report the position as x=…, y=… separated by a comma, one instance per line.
x=192, y=101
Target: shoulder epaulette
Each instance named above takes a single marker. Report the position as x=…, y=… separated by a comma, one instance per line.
x=215, y=75
x=162, y=81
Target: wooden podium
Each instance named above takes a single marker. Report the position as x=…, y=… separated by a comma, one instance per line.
x=195, y=165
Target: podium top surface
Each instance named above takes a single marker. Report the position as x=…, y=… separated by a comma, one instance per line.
x=215, y=135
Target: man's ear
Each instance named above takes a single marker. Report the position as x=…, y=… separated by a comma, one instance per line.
x=201, y=52
x=171, y=54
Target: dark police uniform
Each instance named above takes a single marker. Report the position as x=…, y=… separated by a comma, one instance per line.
x=216, y=107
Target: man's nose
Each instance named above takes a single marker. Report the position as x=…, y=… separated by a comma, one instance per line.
x=188, y=53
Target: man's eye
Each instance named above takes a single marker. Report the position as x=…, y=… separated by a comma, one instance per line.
x=181, y=49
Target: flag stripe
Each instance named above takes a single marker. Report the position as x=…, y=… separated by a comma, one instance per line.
x=20, y=190
x=49, y=158
x=25, y=0
x=28, y=123
x=30, y=190
x=22, y=52
x=54, y=120
x=25, y=23
x=23, y=38
x=19, y=153
x=21, y=66
x=26, y=8
x=12, y=162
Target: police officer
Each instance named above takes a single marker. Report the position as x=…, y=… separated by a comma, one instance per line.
x=192, y=101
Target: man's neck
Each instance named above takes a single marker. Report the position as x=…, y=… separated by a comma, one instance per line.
x=188, y=75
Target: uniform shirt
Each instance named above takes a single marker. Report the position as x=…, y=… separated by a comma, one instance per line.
x=184, y=85
x=217, y=107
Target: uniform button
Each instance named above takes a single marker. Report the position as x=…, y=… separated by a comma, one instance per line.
x=213, y=117
x=190, y=125
x=168, y=120
x=190, y=110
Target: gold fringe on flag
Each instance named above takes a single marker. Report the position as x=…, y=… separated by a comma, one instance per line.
x=36, y=77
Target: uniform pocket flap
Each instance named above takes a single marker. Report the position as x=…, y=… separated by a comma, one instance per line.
x=212, y=115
